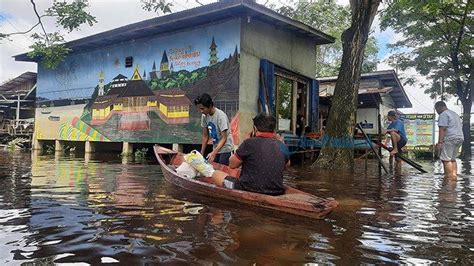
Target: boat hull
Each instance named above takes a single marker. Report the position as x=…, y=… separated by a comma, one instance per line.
x=293, y=201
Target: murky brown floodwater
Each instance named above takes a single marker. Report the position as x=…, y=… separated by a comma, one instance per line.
x=62, y=209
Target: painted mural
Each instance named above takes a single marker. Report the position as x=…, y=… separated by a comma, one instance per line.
x=141, y=91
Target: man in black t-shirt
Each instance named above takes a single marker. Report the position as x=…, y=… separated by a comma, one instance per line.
x=263, y=158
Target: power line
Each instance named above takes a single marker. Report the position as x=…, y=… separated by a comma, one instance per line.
x=414, y=98
x=17, y=44
x=11, y=24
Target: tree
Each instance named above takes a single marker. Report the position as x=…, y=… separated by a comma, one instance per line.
x=338, y=146
x=331, y=18
x=438, y=38
x=49, y=47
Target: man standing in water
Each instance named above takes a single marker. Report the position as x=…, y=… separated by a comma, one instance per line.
x=450, y=138
x=396, y=129
x=215, y=125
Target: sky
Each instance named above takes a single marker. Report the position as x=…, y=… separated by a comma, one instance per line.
x=18, y=15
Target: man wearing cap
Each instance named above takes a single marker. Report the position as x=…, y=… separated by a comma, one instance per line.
x=450, y=138
x=396, y=129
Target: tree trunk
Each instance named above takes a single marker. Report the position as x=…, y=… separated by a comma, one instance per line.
x=338, y=144
x=466, y=128
x=464, y=93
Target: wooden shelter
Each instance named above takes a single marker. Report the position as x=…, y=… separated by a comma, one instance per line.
x=379, y=92
x=17, y=105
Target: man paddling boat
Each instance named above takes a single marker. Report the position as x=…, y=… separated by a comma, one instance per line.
x=263, y=157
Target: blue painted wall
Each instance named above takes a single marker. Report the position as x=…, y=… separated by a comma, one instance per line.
x=78, y=74
x=203, y=59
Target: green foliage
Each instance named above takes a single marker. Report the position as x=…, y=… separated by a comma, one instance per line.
x=285, y=98
x=49, y=149
x=140, y=154
x=330, y=18
x=52, y=54
x=178, y=79
x=17, y=144
x=49, y=47
x=71, y=16
x=157, y=6
x=437, y=41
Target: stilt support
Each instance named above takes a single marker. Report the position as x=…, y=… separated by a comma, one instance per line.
x=177, y=147
x=89, y=147
x=58, y=145
x=127, y=148
x=37, y=145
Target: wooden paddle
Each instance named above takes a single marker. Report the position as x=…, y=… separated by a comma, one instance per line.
x=372, y=147
x=403, y=158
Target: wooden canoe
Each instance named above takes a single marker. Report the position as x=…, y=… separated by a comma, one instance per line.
x=294, y=201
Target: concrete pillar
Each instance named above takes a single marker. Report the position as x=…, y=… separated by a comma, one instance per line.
x=87, y=157
x=37, y=145
x=58, y=145
x=177, y=147
x=89, y=147
x=127, y=148
x=127, y=159
x=34, y=155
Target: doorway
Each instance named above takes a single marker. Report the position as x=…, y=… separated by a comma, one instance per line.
x=292, y=102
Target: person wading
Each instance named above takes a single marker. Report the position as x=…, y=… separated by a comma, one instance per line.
x=450, y=138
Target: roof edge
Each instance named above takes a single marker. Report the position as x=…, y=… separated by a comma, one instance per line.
x=189, y=14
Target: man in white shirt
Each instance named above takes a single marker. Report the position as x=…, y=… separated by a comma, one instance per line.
x=450, y=138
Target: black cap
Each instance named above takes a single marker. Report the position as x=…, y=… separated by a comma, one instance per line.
x=392, y=113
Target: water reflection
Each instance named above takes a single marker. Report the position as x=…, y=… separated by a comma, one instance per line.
x=107, y=209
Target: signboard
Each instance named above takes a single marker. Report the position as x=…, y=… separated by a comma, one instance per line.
x=420, y=131
x=369, y=119
x=367, y=125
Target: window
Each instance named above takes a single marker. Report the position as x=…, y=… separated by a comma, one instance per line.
x=128, y=61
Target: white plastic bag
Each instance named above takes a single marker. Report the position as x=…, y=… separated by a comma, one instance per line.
x=198, y=162
x=186, y=170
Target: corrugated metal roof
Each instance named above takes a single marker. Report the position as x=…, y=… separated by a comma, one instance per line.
x=214, y=12
x=12, y=83
x=388, y=78
x=13, y=86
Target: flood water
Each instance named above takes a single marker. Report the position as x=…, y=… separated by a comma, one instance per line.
x=100, y=209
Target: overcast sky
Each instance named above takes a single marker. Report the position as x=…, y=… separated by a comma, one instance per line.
x=18, y=15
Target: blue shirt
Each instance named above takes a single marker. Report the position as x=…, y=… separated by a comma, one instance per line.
x=398, y=125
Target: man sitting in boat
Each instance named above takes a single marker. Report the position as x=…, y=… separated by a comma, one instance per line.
x=263, y=158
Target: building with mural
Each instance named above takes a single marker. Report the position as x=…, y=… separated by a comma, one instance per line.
x=137, y=83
